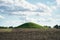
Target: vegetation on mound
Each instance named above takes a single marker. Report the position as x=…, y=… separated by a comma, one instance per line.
x=29, y=25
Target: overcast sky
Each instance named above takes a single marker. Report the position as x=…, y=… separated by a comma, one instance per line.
x=17, y=12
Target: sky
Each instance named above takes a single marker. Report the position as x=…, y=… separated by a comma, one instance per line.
x=17, y=12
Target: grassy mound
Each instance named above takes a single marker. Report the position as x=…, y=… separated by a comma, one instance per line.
x=29, y=25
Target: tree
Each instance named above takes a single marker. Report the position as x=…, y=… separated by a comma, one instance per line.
x=10, y=26
x=56, y=26
x=59, y=27
x=49, y=26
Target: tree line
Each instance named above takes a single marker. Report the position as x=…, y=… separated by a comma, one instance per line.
x=56, y=26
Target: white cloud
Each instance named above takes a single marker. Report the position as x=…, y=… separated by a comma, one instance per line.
x=7, y=1
x=29, y=13
x=26, y=4
x=22, y=3
x=33, y=14
x=44, y=7
x=1, y=17
x=58, y=2
x=1, y=10
x=53, y=7
x=13, y=22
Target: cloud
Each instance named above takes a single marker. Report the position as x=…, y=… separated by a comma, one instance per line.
x=21, y=3
x=58, y=2
x=16, y=4
x=1, y=17
x=44, y=7
x=7, y=1
x=29, y=13
x=26, y=5
x=15, y=23
x=24, y=10
x=1, y=10
x=31, y=16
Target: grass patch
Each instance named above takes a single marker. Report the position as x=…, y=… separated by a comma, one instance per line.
x=5, y=30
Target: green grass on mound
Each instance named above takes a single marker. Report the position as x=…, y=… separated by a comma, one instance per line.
x=29, y=25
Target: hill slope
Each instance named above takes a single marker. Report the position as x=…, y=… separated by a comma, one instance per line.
x=29, y=25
